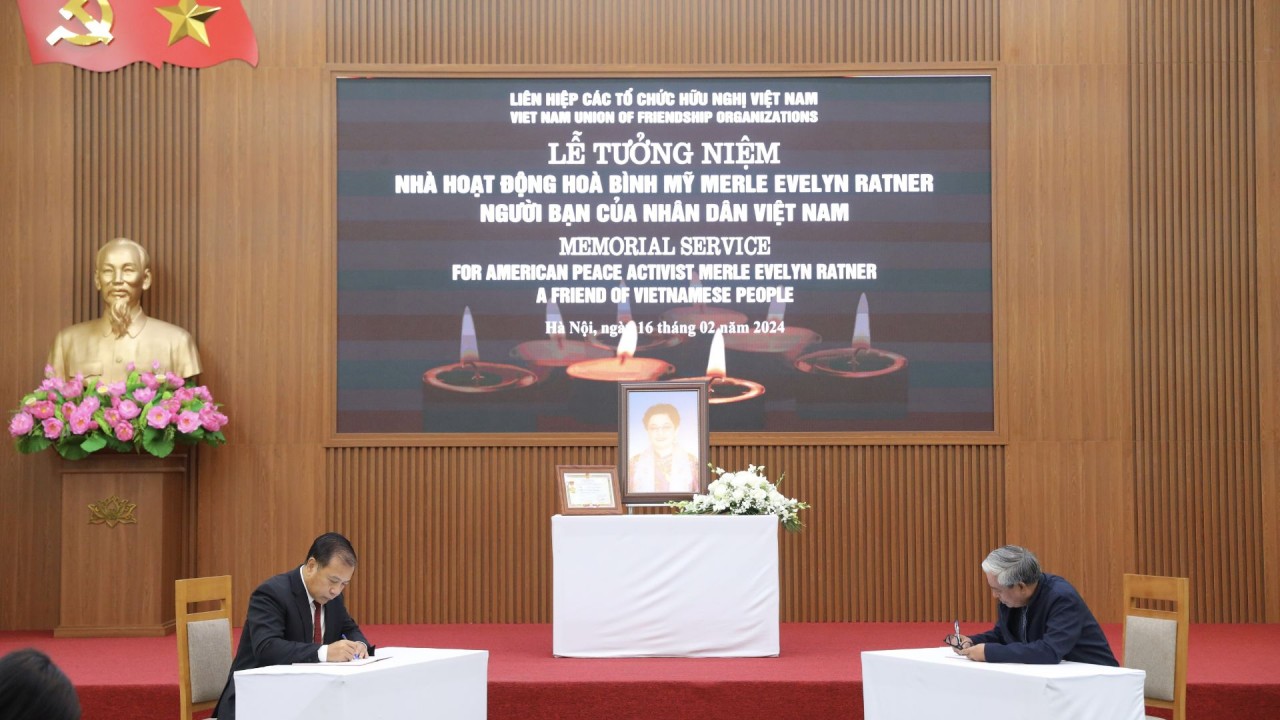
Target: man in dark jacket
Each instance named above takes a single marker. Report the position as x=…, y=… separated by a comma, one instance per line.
x=281, y=625
x=1041, y=619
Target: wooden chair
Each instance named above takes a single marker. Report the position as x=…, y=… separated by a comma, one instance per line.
x=1155, y=640
x=204, y=641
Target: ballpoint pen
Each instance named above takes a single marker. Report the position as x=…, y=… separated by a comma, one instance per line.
x=357, y=657
x=957, y=636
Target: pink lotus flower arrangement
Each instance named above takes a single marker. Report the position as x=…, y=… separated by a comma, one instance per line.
x=151, y=411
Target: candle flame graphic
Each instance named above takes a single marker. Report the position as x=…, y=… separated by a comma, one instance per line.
x=554, y=320
x=468, y=352
x=624, y=308
x=715, y=361
x=627, y=345
x=862, y=326
x=776, y=311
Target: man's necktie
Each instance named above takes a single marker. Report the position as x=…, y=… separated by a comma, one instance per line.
x=1024, y=624
x=316, y=637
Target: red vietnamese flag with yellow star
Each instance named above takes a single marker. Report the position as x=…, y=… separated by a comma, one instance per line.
x=104, y=35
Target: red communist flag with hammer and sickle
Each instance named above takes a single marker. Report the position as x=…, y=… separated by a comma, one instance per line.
x=104, y=35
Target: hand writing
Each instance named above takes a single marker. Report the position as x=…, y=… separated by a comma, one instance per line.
x=976, y=653
x=346, y=651
x=957, y=642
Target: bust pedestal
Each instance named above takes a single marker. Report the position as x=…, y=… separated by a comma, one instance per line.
x=122, y=518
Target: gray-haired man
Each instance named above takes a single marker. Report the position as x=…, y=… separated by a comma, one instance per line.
x=1041, y=619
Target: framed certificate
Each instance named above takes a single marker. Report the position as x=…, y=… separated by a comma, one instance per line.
x=589, y=490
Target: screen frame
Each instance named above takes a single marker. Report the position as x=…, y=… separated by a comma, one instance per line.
x=997, y=436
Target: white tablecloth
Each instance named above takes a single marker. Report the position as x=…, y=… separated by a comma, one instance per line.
x=665, y=585
x=406, y=683
x=933, y=683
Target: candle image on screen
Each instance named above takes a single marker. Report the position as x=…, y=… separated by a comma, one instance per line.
x=472, y=375
x=734, y=403
x=721, y=388
x=870, y=381
x=623, y=367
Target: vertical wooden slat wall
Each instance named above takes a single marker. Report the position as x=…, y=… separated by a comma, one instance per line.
x=1135, y=267
x=266, y=296
x=1195, y=322
x=1266, y=58
x=1061, y=197
x=662, y=32
x=37, y=148
x=135, y=169
x=463, y=534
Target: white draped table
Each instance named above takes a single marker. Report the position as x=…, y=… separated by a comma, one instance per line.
x=405, y=683
x=930, y=683
x=665, y=585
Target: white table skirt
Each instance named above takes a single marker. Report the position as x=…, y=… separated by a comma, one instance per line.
x=932, y=683
x=406, y=683
x=665, y=585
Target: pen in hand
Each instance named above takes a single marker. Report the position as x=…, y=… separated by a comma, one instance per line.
x=357, y=657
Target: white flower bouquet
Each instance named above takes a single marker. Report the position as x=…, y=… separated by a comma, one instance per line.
x=745, y=492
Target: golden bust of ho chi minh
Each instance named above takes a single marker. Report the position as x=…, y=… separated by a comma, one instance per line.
x=124, y=334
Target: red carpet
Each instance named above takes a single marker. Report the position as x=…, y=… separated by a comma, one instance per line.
x=1232, y=673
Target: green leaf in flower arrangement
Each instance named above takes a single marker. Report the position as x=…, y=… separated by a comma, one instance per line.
x=70, y=449
x=95, y=442
x=157, y=442
x=215, y=438
x=31, y=444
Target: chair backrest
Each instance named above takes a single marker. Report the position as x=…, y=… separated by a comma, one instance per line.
x=204, y=641
x=1155, y=638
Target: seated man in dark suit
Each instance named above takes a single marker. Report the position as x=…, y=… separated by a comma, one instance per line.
x=1041, y=619
x=281, y=625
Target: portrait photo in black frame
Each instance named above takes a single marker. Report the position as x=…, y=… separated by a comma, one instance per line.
x=662, y=441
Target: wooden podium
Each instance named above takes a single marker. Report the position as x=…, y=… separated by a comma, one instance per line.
x=122, y=543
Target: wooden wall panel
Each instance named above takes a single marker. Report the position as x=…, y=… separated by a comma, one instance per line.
x=1061, y=193
x=1266, y=58
x=666, y=32
x=1134, y=183
x=37, y=146
x=464, y=534
x=265, y=300
x=1195, y=336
